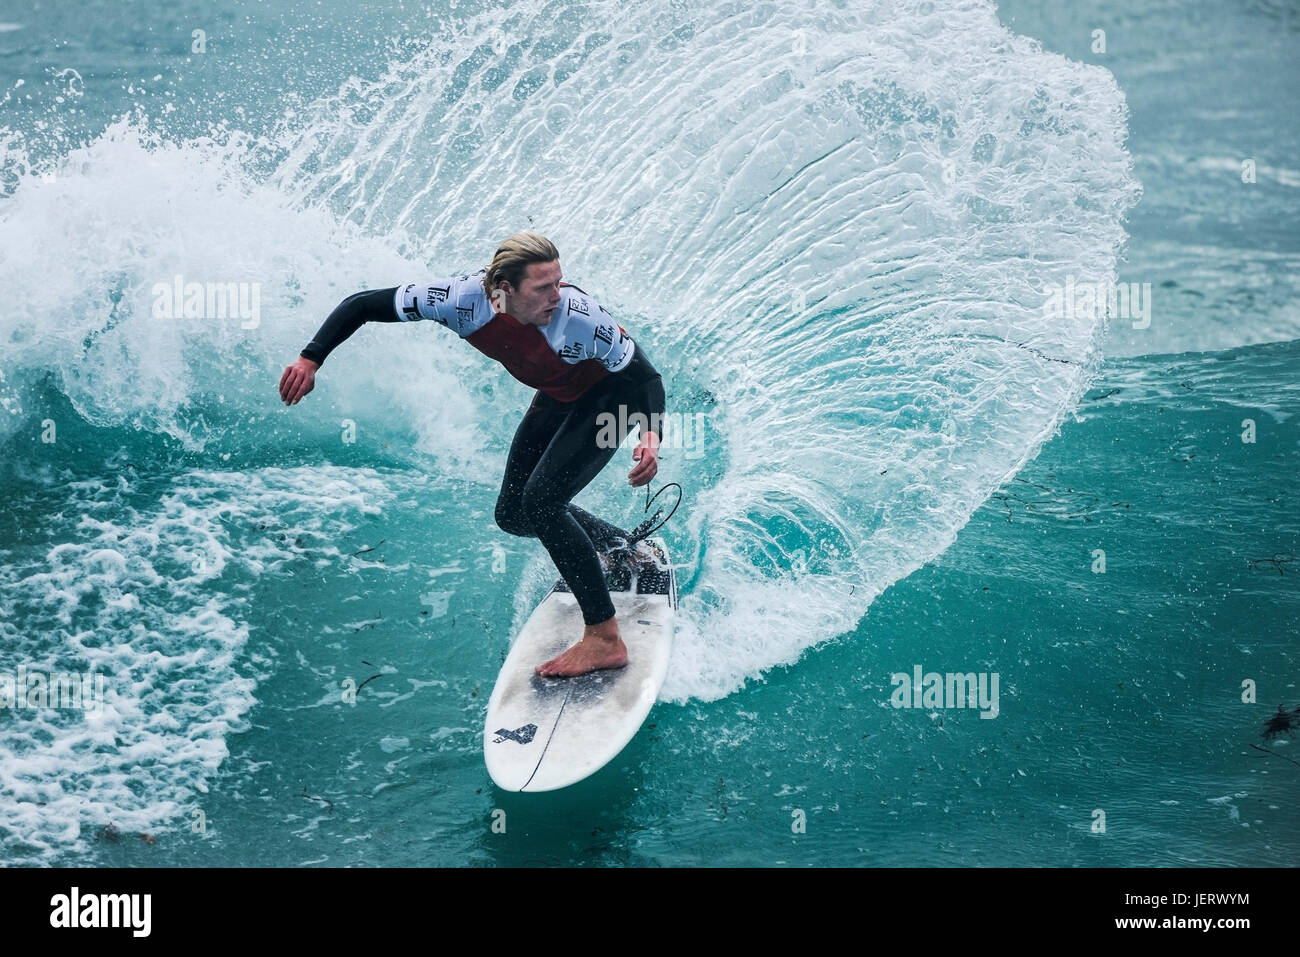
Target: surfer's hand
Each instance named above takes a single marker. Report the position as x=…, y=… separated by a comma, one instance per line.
x=298, y=379
x=647, y=456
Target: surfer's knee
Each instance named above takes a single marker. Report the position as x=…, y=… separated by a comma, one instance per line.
x=539, y=504
x=512, y=520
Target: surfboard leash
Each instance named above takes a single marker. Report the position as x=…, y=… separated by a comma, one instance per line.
x=648, y=527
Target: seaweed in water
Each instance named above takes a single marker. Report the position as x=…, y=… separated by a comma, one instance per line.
x=1283, y=722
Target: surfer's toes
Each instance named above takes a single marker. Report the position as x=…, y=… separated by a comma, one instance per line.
x=584, y=658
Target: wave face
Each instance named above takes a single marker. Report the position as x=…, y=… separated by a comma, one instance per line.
x=830, y=225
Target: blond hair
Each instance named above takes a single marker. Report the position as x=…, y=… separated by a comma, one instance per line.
x=513, y=257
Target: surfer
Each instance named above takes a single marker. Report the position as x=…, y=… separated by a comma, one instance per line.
x=553, y=337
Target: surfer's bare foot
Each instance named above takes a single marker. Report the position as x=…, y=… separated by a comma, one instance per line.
x=600, y=647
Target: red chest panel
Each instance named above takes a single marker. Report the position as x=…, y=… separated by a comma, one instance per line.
x=527, y=356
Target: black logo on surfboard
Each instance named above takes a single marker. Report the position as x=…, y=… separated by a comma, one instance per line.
x=520, y=735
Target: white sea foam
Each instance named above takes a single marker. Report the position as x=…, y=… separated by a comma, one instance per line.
x=143, y=598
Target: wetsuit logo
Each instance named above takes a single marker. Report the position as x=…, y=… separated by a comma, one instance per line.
x=573, y=352
x=409, y=309
x=522, y=735
x=579, y=305
x=605, y=333
x=436, y=294
x=465, y=316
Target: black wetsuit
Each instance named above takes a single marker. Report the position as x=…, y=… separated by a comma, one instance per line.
x=583, y=364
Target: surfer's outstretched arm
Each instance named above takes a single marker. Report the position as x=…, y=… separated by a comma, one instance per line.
x=373, y=305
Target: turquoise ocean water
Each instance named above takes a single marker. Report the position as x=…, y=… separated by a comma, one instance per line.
x=836, y=227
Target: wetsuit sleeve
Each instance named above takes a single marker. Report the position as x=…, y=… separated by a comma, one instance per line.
x=373, y=305
x=455, y=302
x=590, y=332
x=611, y=346
x=650, y=383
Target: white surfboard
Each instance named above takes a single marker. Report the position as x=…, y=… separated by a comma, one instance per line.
x=547, y=733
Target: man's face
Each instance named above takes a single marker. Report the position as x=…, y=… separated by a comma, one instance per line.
x=537, y=295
